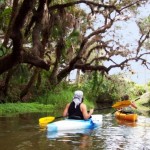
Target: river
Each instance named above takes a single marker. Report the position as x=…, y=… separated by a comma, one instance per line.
x=22, y=132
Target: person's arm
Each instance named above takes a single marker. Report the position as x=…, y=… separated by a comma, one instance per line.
x=86, y=115
x=65, y=112
x=133, y=105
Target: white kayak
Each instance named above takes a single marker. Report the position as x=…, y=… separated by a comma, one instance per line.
x=73, y=124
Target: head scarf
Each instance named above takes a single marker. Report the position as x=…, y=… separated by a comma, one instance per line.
x=77, y=99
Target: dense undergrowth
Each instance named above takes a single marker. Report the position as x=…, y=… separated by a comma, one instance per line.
x=101, y=91
x=48, y=101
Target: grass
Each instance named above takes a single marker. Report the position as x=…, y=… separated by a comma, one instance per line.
x=47, y=102
x=60, y=98
x=24, y=107
x=14, y=108
x=57, y=99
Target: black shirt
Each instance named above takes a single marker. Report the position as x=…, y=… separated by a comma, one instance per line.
x=75, y=113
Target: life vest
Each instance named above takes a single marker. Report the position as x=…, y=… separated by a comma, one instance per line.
x=127, y=110
x=75, y=113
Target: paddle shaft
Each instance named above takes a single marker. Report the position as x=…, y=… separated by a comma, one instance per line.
x=102, y=108
x=59, y=117
x=137, y=99
x=88, y=111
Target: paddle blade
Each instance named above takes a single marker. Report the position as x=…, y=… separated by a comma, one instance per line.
x=44, y=121
x=122, y=104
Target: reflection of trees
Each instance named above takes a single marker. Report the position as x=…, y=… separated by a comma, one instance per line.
x=123, y=135
x=77, y=141
x=18, y=132
x=86, y=142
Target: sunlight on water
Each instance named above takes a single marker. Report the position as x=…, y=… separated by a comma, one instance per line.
x=127, y=136
x=23, y=133
x=113, y=135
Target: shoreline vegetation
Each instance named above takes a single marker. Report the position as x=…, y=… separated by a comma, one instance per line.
x=15, y=108
x=38, y=58
x=35, y=107
x=50, y=101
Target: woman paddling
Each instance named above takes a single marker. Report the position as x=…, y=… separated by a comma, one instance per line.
x=77, y=109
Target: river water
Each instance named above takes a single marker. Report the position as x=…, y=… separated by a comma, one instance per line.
x=22, y=132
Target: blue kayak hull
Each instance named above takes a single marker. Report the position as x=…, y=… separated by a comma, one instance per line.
x=72, y=124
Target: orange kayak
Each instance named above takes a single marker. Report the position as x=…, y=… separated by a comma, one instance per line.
x=128, y=117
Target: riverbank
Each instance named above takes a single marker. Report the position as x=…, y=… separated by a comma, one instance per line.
x=17, y=108
x=14, y=108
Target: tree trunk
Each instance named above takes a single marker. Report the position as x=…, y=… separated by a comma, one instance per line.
x=78, y=77
x=29, y=85
x=8, y=78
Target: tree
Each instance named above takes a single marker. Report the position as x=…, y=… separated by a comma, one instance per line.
x=59, y=36
x=144, y=26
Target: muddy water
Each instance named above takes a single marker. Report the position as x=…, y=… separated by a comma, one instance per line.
x=21, y=132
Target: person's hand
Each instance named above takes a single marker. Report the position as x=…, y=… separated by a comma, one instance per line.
x=91, y=111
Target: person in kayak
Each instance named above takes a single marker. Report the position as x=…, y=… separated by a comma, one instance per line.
x=77, y=109
x=128, y=109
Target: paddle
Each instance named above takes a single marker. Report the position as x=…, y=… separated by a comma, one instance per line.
x=125, y=104
x=45, y=120
x=137, y=99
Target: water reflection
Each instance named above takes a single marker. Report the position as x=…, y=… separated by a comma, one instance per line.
x=82, y=141
x=114, y=134
x=124, y=136
x=22, y=132
x=126, y=123
x=52, y=135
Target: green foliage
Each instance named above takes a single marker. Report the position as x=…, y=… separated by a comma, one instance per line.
x=137, y=90
x=143, y=104
x=24, y=107
x=102, y=89
x=47, y=101
x=56, y=32
x=3, y=51
x=55, y=97
x=144, y=23
x=98, y=87
x=61, y=95
x=2, y=1
x=74, y=35
x=72, y=39
x=4, y=18
x=21, y=74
